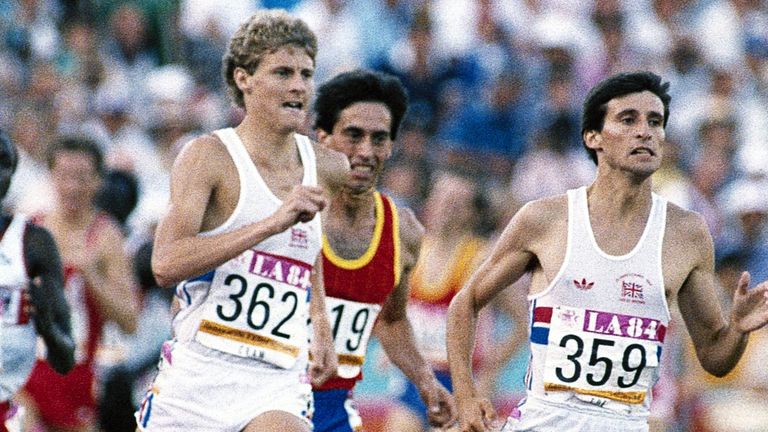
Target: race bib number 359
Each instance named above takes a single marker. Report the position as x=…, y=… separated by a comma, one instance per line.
x=602, y=355
x=259, y=311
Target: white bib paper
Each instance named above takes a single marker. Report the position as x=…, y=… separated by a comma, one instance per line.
x=602, y=356
x=352, y=323
x=257, y=308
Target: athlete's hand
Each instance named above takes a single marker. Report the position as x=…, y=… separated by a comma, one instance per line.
x=441, y=409
x=750, y=306
x=300, y=205
x=477, y=415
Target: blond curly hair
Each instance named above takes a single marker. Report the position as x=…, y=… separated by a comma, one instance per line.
x=264, y=32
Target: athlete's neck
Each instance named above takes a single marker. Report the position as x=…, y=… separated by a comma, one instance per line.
x=79, y=218
x=352, y=208
x=612, y=197
x=264, y=139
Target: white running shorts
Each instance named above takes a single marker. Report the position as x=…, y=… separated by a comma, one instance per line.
x=196, y=392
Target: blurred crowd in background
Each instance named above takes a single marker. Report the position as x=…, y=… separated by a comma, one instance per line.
x=495, y=87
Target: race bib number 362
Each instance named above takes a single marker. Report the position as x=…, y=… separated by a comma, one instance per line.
x=259, y=311
x=602, y=355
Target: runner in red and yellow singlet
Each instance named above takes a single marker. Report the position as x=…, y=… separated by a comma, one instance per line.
x=370, y=247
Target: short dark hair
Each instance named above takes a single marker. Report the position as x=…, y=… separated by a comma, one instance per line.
x=77, y=144
x=348, y=88
x=595, y=105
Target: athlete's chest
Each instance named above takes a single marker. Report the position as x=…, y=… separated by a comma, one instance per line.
x=71, y=240
x=350, y=242
x=228, y=192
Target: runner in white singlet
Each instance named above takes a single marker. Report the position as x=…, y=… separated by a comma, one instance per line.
x=241, y=241
x=30, y=271
x=605, y=260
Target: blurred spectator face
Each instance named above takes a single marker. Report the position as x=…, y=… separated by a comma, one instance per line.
x=559, y=58
x=450, y=204
x=709, y=173
x=128, y=28
x=412, y=143
x=722, y=83
x=666, y=9
x=718, y=136
x=559, y=92
x=44, y=83
x=75, y=179
x=80, y=39
x=362, y=133
x=402, y=182
x=685, y=56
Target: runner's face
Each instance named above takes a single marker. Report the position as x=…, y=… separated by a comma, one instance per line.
x=633, y=134
x=75, y=179
x=362, y=133
x=8, y=160
x=280, y=88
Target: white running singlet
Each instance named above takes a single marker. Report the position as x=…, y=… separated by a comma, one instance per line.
x=241, y=336
x=18, y=339
x=597, y=331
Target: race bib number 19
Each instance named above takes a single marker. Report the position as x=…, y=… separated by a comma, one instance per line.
x=601, y=355
x=352, y=323
x=259, y=311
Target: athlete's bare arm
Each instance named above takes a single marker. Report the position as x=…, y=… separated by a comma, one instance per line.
x=515, y=252
x=324, y=360
x=196, y=198
x=394, y=331
x=52, y=320
x=509, y=303
x=332, y=168
x=110, y=277
x=719, y=342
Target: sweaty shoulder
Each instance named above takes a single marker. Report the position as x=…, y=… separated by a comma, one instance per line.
x=687, y=230
x=332, y=167
x=537, y=218
x=411, y=230
x=206, y=153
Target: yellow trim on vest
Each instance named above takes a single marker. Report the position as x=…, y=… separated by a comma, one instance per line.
x=396, y=241
x=357, y=263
